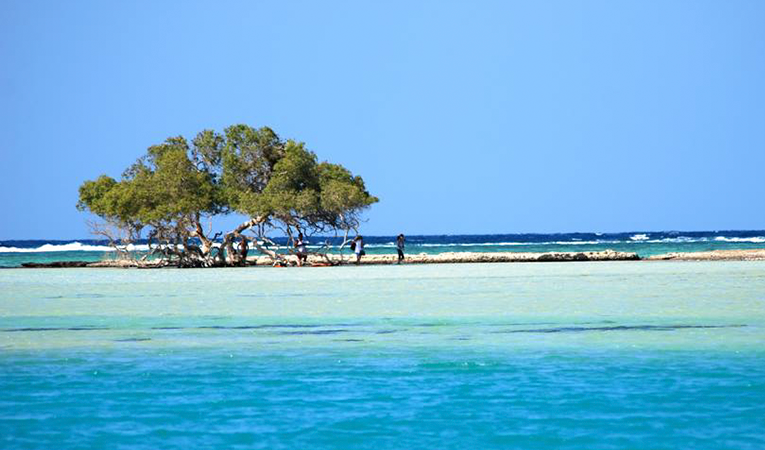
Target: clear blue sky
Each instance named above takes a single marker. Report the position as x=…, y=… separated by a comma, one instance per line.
x=463, y=117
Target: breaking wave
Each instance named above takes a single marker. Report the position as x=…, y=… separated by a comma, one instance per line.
x=756, y=240
x=71, y=247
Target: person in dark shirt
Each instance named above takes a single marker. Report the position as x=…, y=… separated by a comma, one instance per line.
x=400, y=240
x=302, y=251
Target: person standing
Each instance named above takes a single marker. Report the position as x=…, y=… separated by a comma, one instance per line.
x=359, y=248
x=400, y=240
x=302, y=251
x=243, y=251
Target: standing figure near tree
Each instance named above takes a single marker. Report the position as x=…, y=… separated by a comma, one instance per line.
x=358, y=247
x=302, y=252
x=243, y=251
x=400, y=240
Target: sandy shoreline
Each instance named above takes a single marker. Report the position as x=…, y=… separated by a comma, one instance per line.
x=494, y=257
x=460, y=257
x=424, y=258
x=713, y=255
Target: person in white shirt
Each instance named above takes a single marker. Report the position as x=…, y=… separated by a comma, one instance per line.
x=358, y=242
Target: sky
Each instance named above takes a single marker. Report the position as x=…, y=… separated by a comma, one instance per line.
x=462, y=117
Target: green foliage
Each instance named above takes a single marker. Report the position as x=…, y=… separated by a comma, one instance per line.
x=248, y=158
x=293, y=187
x=341, y=191
x=104, y=197
x=302, y=192
x=161, y=186
x=207, y=151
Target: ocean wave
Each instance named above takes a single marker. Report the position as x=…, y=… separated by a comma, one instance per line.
x=71, y=247
x=639, y=237
x=477, y=244
x=756, y=240
x=495, y=244
x=632, y=240
x=672, y=240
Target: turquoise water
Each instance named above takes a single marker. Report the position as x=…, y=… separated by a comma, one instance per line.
x=664, y=355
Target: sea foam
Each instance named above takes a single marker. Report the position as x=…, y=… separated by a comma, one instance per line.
x=756, y=240
x=71, y=247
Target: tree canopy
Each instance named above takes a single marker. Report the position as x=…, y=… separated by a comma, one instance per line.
x=280, y=185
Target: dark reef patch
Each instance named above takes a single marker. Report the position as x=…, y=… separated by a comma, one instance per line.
x=331, y=331
x=618, y=328
x=11, y=330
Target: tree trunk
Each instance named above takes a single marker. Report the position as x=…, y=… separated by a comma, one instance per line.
x=232, y=257
x=272, y=254
x=204, y=251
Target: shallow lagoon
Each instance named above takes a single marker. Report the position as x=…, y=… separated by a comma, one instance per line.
x=550, y=355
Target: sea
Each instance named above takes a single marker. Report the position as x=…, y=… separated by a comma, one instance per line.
x=583, y=355
x=13, y=253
